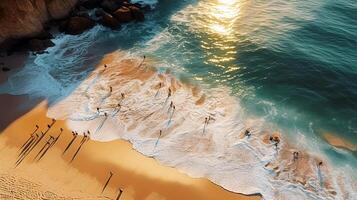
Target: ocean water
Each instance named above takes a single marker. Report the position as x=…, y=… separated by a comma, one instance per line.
x=291, y=66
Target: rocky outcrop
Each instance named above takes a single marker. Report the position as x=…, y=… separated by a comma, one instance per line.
x=123, y=14
x=38, y=45
x=23, y=23
x=136, y=13
x=109, y=21
x=27, y=18
x=59, y=9
x=77, y=25
x=111, y=5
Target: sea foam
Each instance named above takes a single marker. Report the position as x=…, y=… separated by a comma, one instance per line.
x=219, y=150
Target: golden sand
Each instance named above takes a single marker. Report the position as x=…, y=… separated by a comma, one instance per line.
x=140, y=177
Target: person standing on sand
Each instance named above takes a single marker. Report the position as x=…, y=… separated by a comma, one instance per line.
x=204, y=125
x=107, y=182
x=88, y=133
x=84, y=139
x=157, y=92
x=31, y=136
x=158, y=138
x=247, y=133
x=295, y=155
x=120, y=192
x=173, y=111
x=170, y=107
x=51, y=144
x=47, y=144
x=142, y=62
x=75, y=134
x=36, y=142
x=110, y=89
x=169, y=94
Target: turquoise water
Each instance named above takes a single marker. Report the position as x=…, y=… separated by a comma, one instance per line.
x=292, y=63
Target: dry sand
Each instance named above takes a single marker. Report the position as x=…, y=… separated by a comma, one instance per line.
x=55, y=178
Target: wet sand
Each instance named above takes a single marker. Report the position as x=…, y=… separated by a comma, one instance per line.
x=339, y=142
x=140, y=177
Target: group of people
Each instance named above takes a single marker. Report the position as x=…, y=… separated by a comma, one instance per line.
x=35, y=138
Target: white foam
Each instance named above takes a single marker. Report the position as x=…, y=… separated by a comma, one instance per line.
x=220, y=153
x=151, y=3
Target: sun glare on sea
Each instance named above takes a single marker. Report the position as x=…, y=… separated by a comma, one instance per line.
x=220, y=20
x=222, y=15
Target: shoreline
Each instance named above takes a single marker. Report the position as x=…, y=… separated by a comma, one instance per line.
x=282, y=165
x=183, y=146
x=162, y=182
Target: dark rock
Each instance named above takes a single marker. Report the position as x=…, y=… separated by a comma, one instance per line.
x=90, y=4
x=8, y=45
x=44, y=35
x=99, y=12
x=82, y=9
x=77, y=25
x=137, y=13
x=111, y=5
x=62, y=25
x=109, y=21
x=5, y=69
x=47, y=43
x=123, y=14
x=39, y=45
x=82, y=14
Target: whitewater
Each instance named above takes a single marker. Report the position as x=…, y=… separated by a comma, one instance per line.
x=129, y=99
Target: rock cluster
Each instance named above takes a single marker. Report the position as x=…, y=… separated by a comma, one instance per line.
x=25, y=24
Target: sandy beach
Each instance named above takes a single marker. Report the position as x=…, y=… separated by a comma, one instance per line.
x=54, y=177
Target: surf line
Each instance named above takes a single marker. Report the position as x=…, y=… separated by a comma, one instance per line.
x=95, y=79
